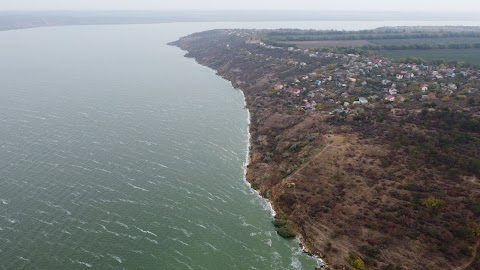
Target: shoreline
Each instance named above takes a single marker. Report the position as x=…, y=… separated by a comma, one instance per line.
x=298, y=239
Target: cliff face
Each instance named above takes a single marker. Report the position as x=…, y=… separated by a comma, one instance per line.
x=358, y=191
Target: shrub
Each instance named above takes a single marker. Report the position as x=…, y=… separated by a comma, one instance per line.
x=432, y=202
x=284, y=228
x=370, y=251
x=356, y=262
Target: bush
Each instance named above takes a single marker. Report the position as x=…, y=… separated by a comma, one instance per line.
x=432, y=202
x=370, y=251
x=284, y=228
x=356, y=262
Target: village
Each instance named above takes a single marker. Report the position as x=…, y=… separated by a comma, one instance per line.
x=319, y=80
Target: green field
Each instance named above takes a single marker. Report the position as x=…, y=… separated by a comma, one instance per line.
x=471, y=56
x=431, y=41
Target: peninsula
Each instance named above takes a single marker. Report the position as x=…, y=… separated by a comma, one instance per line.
x=373, y=163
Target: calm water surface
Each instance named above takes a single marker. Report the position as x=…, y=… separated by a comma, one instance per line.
x=116, y=152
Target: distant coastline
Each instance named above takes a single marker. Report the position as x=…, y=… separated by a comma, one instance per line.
x=13, y=20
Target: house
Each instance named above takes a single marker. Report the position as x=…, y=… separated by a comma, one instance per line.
x=390, y=98
x=393, y=91
x=452, y=86
x=363, y=100
x=450, y=75
x=318, y=82
x=424, y=87
x=399, y=76
x=278, y=86
x=295, y=91
x=310, y=105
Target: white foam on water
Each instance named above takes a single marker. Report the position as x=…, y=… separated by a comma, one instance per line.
x=84, y=263
x=152, y=240
x=12, y=221
x=118, y=259
x=200, y=225
x=136, y=187
x=108, y=231
x=211, y=246
x=269, y=242
x=122, y=224
x=184, y=263
x=178, y=240
x=296, y=264
x=103, y=170
x=147, y=232
x=128, y=201
x=130, y=236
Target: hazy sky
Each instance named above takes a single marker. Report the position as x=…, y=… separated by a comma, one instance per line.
x=369, y=5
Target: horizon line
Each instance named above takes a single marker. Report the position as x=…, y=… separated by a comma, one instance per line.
x=237, y=10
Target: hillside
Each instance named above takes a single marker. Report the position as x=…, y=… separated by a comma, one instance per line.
x=374, y=163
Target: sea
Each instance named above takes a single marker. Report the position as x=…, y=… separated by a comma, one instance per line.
x=117, y=152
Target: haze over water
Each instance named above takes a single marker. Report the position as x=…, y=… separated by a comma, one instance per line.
x=118, y=152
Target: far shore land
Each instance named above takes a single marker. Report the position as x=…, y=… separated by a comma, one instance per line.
x=11, y=20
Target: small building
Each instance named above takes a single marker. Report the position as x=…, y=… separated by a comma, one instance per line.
x=295, y=91
x=452, y=86
x=390, y=98
x=393, y=91
x=424, y=87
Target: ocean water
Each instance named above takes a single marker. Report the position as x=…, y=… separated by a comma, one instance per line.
x=116, y=152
